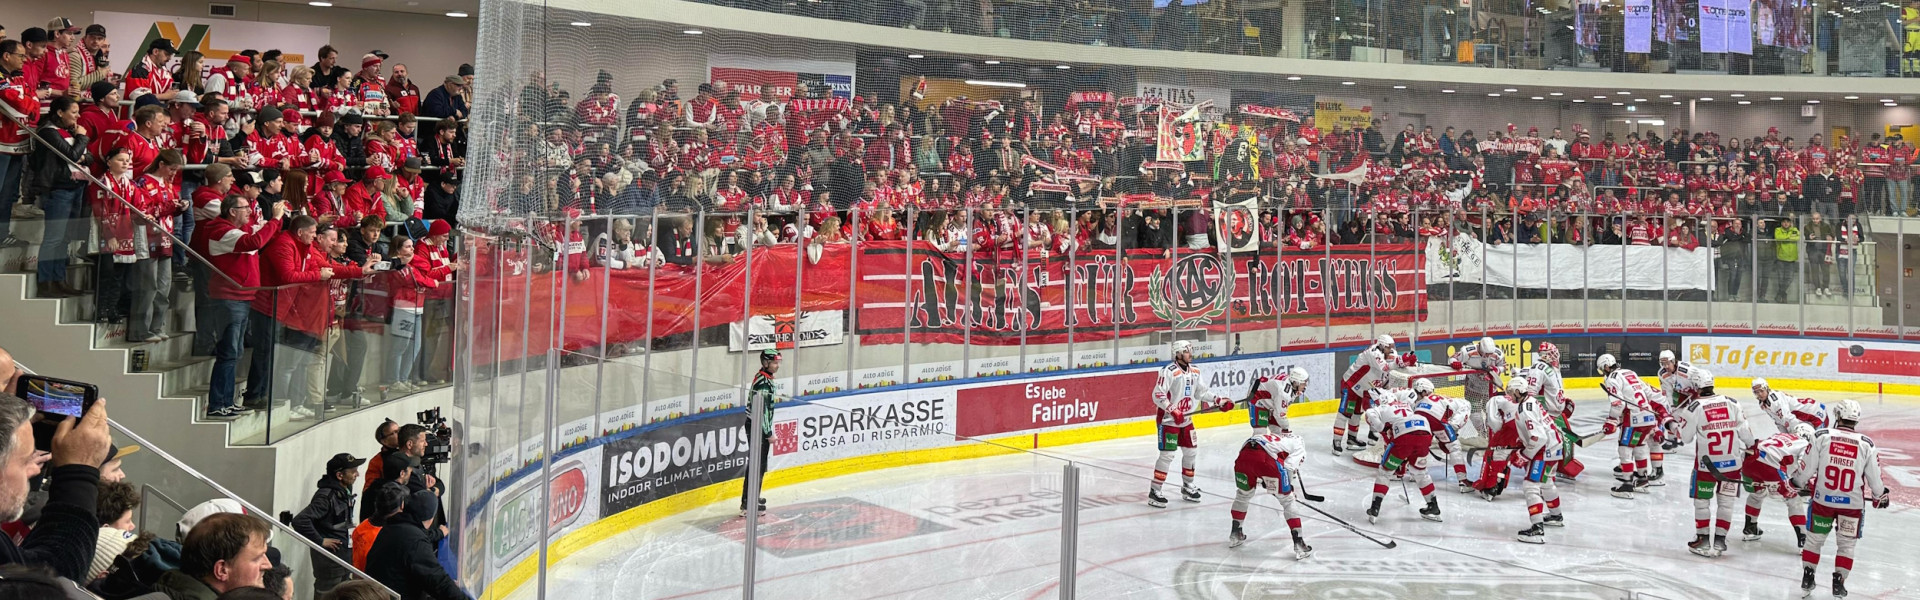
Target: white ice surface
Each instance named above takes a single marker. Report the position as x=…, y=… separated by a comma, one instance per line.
x=990, y=528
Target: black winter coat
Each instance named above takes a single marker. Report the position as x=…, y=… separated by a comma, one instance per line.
x=329, y=515
x=402, y=558
x=47, y=171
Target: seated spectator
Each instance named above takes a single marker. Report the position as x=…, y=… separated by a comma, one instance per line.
x=223, y=552
x=62, y=538
x=357, y=590
x=403, y=556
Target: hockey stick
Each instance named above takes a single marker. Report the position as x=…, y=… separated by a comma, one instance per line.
x=1303, y=490
x=1589, y=440
x=1349, y=527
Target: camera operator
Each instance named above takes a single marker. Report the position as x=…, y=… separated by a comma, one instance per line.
x=413, y=446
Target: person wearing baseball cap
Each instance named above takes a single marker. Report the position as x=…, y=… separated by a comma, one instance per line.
x=761, y=397
x=328, y=520
x=54, y=66
x=151, y=75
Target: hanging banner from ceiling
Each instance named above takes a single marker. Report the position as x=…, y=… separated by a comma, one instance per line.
x=1639, y=26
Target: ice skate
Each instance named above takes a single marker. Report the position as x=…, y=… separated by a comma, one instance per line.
x=1532, y=535
x=1466, y=487
x=1154, y=499
x=1336, y=447
x=1432, y=511
x=1373, y=512
x=1839, y=585
x=1624, y=490
x=763, y=507
x=1301, y=551
x=1751, y=532
x=1806, y=581
x=1554, y=520
x=1189, y=493
x=1355, y=443
x=1236, y=538
x=1640, y=484
x=1701, y=545
x=1658, y=474
x=1719, y=545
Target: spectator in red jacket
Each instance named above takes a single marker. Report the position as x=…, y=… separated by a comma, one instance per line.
x=402, y=94
x=432, y=260
x=231, y=244
x=407, y=287
x=289, y=320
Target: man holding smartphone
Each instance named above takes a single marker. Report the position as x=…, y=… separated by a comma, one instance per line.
x=63, y=538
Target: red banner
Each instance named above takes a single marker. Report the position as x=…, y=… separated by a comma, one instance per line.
x=1267, y=111
x=997, y=409
x=1099, y=294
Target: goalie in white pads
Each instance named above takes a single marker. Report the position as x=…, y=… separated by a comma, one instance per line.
x=1844, y=469
x=1446, y=416
x=1631, y=412
x=1368, y=371
x=1269, y=462
x=1777, y=466
x=1409, y=438
x=1179, y=393
x=1502, y=418
x=1541, y=447
x=1485, y=357
x=1267, y=400
x=1718, y=429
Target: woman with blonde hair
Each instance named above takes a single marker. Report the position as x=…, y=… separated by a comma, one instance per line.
x=297, y=92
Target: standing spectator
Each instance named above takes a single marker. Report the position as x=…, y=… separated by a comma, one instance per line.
x=1847, y=246
x=1821, y=192
x=223, y=552
x=151, y=274
x=231, y=243
x=382, y=502
x=327, y=69
x=277, y=316
x=1736, y=247
x=61, y=188
x=1819, y=242
x=369, y=88
x=432, y=260
x=387, y=434
x=56, y=64
x=21, y=104
x=403, y=556
x=348, y=139
x=328, y=520
x=88, y=65
x=402, y=93
x=407, y=288
x=1786, y=252
x=445, y=101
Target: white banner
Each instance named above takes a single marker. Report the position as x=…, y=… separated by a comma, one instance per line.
x=761, y=332
x=1559, y=266
x=1739, y=26
x=572, y=503
x=1639, y=26
x=863, y=425
x=1235, y=224
x=1713, y=25
x=1186, y=95
x=1231, y=378
x=129, y=33
x=1804, y=358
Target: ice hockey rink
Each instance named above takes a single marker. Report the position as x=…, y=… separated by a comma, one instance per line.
x=990, y=528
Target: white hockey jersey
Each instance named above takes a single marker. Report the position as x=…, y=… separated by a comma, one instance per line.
x=1539, y=438
x=1369, y=370
x=1779, y=406
x=1446, y=415
x=1786, y=452
x=1844, y=468
x=1482, y=384
x=1288, y=450
x=1180, y=392
x=1719, y=432
x=1631, y=411
x=1810, y=411
x=1675, y=384
x=1624, y=385
x=1502, y=415
x=1395, y=420
x=1267, y=403
x=1550, y=388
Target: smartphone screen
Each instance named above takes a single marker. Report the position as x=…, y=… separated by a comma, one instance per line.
x=56, y=396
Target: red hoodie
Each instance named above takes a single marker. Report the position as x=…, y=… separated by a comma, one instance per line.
x=232, y=250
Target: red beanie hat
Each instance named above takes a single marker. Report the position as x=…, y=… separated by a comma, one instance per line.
x=439, y=227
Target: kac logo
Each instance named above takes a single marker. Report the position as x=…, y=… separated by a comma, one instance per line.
x=1194, y=291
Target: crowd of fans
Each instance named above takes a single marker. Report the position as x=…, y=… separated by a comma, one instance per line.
x=728, y=168
x=320, y=214
x=68, y=526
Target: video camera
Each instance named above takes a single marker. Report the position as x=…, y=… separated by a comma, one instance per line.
x=439, y=438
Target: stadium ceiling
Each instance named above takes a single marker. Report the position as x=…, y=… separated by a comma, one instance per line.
x=427, y=7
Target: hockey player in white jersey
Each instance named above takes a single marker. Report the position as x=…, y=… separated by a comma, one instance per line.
x=1718, y=429
x=1559, y=407
x=1485, y=358
x=1409, y=438
x=1268, y=398
x=1179, y=393
x=1776, y=465
x=1368, y=371
x=1541, y=450
x=1631, y=412
x=1674, y=380
x=1777, y=404
x=1502, y=418
x=1269, y=462
x=1844, y=469
x=1446, y=416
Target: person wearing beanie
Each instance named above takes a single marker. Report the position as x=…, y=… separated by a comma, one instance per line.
x=403, y=556
x=432, y=260
x=366, y=197
x=370, y=87
x=381, y=502
x=324, y=166
x=265, y=147
x=234, y=81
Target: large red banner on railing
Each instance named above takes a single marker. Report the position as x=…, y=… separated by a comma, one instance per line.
x=910, y=291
